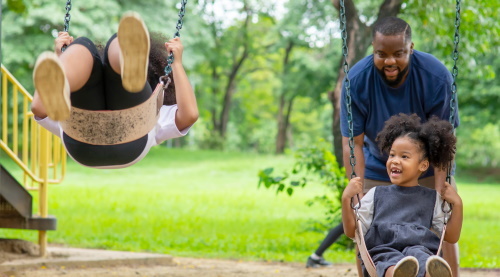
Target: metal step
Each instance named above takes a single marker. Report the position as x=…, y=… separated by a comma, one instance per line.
x=31, y=223
x=14, y=197
x=16, y=209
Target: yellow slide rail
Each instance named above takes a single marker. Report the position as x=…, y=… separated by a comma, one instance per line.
x=39, y=154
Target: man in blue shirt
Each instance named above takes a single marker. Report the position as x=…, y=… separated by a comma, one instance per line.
x=394, y=79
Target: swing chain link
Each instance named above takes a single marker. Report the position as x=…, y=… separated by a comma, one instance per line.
x=170, y=58
x=348, y=99
x=455, y=67
x=347, y=82
x=446, y=208
x=454, y=73
x=67, y=17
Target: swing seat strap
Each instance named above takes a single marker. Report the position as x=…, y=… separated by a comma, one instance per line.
x=114, y=127
x=363, y=251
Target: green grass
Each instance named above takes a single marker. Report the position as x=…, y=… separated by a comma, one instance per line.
x=479, y=242
x=207, y=204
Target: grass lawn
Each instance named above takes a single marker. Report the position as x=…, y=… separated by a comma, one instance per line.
x=207, y=204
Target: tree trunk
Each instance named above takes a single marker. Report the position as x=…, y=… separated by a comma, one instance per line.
x=358, y=40
x=283, y=123
x=231, y=84
x=284, y=107
x=215, y=77
x=215, y=88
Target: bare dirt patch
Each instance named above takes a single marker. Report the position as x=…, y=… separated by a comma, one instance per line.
x=74, y=262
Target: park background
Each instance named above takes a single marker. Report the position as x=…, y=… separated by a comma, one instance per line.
x=266, y=76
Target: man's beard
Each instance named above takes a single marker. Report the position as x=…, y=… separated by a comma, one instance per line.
x=395, y=82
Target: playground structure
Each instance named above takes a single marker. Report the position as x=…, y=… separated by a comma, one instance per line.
x=40, y=157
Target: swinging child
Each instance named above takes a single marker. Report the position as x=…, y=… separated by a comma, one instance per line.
x=401, y=222
x=77, y=88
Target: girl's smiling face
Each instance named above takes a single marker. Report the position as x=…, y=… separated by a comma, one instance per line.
x=405, y=163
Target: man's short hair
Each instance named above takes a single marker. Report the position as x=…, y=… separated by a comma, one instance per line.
x=391, y=26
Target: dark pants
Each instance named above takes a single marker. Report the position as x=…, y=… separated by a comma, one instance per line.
x=104, y=91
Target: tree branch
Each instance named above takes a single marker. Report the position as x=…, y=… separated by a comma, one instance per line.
x=389, y=8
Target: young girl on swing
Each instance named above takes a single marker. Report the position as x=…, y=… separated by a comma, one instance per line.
x=124, y=78
x=402, y=222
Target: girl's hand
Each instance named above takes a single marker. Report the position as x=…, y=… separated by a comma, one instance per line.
x=175, y=46
x=63, y=39
x=450, y=195
x=354, y=187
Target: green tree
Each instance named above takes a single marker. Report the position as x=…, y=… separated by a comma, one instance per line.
x=225, y=49
x=478, y=85
x=302, y=39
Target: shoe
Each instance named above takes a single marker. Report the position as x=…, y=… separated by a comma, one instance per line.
x=437, y=267
x=406, y=267
x=52, y=86
x=133, y=38
x=315, y=263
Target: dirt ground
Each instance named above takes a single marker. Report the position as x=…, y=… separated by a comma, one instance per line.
x=19, y=259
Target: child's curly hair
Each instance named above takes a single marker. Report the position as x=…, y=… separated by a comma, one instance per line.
x=157, y=62
x=434, y=137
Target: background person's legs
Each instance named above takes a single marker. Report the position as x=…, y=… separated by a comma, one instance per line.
x=316, y=259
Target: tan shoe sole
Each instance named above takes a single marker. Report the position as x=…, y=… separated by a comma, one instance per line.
x=437, y=267
x=133, y=38
x=52, y=86
x=406, y=267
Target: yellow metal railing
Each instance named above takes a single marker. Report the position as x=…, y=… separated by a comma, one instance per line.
x=39, y=154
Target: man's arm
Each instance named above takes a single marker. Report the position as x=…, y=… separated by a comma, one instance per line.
x=358, y=153
x=439, y=178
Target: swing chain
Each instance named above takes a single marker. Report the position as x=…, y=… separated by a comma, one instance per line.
x=454, y=74
x=446, y=208
x=455, y=67
x=347, y=82
x=170, y=58
x=348, y=100
x=67, y=17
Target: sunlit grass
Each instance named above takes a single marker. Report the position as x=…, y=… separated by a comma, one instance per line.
x=207, y=204
x=479, y=242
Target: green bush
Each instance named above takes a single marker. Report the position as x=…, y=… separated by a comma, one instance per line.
x=480, y=148
x=316, y=165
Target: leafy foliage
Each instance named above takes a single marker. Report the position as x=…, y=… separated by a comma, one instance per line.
x=315, y=165
x=213, y=37
x=478, y=83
